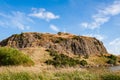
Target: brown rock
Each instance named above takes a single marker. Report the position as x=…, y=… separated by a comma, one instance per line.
x=65, y=43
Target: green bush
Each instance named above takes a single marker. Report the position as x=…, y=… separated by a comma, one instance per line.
x=11, y=56
x=112, y=59
x=59, y=33
x=76, y=37
x=59, y=39
x=60, y=60
x=83, y=62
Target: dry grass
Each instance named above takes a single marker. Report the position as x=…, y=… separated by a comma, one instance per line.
x=38, y=69
x=38, y=55
x=12, y=73
x=97, y=60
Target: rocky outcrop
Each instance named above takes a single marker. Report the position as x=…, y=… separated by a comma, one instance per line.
x=63, y=43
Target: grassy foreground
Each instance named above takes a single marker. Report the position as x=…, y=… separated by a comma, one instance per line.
x=41, y=71
x=65, y=75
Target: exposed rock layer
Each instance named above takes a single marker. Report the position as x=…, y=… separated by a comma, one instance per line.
x=63, y=43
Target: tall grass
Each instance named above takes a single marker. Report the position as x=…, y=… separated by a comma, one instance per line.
x=45, y=76
x=73, y=75
x=110, y=76
x=24, y=76
x=16, y=76
x=76, y=75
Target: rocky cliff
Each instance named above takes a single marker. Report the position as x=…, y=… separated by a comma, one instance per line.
x=61, y=42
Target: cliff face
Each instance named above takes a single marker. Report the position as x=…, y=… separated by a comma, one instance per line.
x=63, y=43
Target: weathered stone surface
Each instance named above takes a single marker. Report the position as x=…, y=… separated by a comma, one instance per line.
x=63, y=43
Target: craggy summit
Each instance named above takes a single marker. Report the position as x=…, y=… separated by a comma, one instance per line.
x=61, y=42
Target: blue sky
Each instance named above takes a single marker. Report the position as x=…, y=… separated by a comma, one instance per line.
x=96, y=18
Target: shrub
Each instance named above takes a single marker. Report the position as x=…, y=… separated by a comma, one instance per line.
x=60, y=60
x=76, y=37
x=83, y=62
x=16, y=35
x=11, y=56
x=112, y=59
x=59, y=39
x=59, y=33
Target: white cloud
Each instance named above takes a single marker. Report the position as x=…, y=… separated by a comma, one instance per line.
x=43, y=14
x=114, y=46
x=15, y=19
x=100, y=37
x=103, y=16
x=84, y=24
x=54, y=28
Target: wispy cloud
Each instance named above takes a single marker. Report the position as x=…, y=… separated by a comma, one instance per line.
x=15, y=19
x=103, y=16
x=98, y=36
x=54, y=28
x=43, y=14
x=114, y=46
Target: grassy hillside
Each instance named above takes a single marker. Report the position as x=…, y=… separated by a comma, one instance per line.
x=69, y=66
x=41, y=56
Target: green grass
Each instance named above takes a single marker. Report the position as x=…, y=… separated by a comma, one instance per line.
x=62, y=75
x=46, y=76
x=76, y=75
x=17, y=76
x=110, y=76
x=11, y=56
